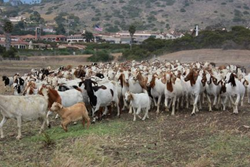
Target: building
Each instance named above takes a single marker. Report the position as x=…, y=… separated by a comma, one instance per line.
x=49, y=30
x=15, y=20
x=13, y=38
x=17, y=44
x=75, y=38
x=49, y=38
x=28, y=37
x=54, y=38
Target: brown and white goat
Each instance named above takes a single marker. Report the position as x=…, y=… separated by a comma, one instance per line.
x=71, y=114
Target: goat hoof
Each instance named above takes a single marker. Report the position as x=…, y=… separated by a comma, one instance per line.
x=93, y=122
x=193, y=114
x=18, y=137
x=49, y=126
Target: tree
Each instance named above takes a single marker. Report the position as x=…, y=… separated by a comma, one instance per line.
x=7, y=28
x=89, y=36
x=18, y=28
x=36, y=17
x=60, y=30
x=131, y=30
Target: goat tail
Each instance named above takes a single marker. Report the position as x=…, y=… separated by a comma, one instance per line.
x=87, y=120
x=86, y=116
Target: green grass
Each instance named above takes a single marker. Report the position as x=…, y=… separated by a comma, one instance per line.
x=80, y=145
x=226, y=149
x=56, y=133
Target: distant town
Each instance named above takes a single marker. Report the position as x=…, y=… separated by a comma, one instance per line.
x=38, y=40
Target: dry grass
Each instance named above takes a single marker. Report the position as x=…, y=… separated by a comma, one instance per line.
x=218, y=56
x=9, y=68
x=89, y=151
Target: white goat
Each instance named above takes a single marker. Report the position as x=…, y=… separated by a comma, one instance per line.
x=139, y=101
x=23, y=108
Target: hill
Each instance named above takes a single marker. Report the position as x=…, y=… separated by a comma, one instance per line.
x=156, y=15
x=218, y=56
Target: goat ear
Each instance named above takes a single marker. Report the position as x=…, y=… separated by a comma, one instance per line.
x=232, y=80
x=131, y=96
x=60, y=106
x=245, y=82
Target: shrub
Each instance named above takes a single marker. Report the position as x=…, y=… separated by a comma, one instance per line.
x=170, y=2
x=101, y=56
x=10, y=53
x=88, y=52
x=183, y=10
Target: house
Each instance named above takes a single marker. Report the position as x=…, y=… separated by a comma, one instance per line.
x=15, y=20
x=28, y=37
x=13, y=38
x=17, y=44
x=54, y=38
x=111, y=38
x=75, y=38
x=49, y=38
x=49, y=30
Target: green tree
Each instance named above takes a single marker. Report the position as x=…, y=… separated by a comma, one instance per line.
x=131, y=30
x=36, y=17
x=10, y=53
x=89, y=36
x=18, y=28
x=60, y=30
x=7, y=28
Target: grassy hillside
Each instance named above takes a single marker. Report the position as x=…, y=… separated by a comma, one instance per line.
x=157, y=15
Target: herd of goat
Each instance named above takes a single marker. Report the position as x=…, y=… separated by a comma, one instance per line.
x=76, y=92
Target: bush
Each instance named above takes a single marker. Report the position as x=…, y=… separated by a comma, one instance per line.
x=183, y=10
x=88, y=52
x=92, y=46
x=101, y=56
x=10, y=53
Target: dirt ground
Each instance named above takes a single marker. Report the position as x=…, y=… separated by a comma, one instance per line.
x=216, y=138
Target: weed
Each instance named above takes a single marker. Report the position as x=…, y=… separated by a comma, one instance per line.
x=47, y=141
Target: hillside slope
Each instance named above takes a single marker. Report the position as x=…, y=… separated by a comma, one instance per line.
x=157, y=15
x=218, y=56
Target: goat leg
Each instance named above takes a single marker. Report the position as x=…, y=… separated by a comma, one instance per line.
x=19, y=121
x=1, y=126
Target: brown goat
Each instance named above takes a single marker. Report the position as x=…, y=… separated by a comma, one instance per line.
x=71, y=114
